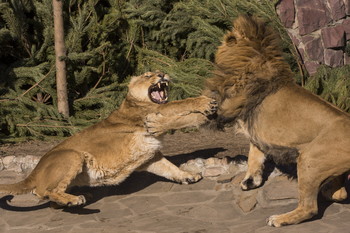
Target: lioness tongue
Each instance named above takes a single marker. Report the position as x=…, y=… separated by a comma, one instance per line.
x=161, y=94
x=156, y=95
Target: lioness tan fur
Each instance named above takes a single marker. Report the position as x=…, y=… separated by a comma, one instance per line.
x=107, y=152
x=255, y=89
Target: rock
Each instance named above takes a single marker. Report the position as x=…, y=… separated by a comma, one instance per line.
x=238, y=178
x=294, y=38
x=19, y=163
x=302, y=53
x=314, y=49
x=279, y=191
x=333, y=58
x=286, y=11
x=211, y=167
x=312, y=15
x=346, y=27
x=347, y=7
x=333, y=37
x=346, y=59
x=216, y=162
x=193, y=166
x=2, y=167
x=337, y=8
x=312, y=66
x=213, y=171
x=7, y=161
x=247, y=200
x=225, y=178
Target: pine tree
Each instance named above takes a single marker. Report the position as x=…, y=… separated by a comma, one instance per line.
x=107, y=41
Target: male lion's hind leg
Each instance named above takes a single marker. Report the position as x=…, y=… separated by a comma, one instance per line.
x=311, y=174
x=334, y=190
x=309, y=181
x=163, y=167
x=253, y=177
x=55, y=176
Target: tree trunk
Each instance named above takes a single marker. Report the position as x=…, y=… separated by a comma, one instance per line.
x=60, y=51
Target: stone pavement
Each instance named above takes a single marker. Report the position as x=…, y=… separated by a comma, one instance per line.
x=148, y=203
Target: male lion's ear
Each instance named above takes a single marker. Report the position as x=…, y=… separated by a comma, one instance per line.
x=230, y=38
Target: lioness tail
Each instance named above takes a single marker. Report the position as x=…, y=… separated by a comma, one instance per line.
x=21, y=187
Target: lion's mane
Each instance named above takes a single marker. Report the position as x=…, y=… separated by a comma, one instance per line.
x=249, y=67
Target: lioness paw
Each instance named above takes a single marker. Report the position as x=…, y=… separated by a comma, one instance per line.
x=190, y=178
x=154, y=123
x=79, y=200
x=207, y=106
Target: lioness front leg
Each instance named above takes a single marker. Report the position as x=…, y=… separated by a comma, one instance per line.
x=191, y=112
x=201, y=104
x=163, y=167
x=157, y=124
x=253, y=177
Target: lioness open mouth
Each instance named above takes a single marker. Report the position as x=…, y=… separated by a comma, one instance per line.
x=158, y=92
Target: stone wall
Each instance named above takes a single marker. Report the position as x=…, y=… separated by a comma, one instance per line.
x=320, y=30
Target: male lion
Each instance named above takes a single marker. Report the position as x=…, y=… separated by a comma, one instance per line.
x=107, y=152
x=254, y=87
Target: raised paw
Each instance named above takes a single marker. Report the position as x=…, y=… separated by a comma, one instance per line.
x=207, y=106
x=154, y=123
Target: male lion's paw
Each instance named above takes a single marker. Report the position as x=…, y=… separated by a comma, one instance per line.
x=154, y=123
x=275, y=221
x=251, y=181
x=207, y=106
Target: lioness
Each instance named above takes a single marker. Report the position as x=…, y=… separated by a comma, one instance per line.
x=107, y=152
x=255, y=89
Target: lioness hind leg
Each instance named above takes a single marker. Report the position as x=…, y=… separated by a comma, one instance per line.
x=54, y=176
x=65, y=199
x=163, y=167
x=334, y=190
x=253, y=177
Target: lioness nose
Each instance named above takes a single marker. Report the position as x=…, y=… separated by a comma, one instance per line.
x=161, y=75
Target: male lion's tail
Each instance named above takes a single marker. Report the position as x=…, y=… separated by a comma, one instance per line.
x=21, y=187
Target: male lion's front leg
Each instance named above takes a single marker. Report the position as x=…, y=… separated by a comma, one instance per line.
x=163, y=167
x=253, y=177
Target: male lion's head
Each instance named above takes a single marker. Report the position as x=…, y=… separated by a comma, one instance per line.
x=249, y=67
x=150, y=87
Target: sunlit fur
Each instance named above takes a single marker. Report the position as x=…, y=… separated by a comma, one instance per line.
x=109, y=151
